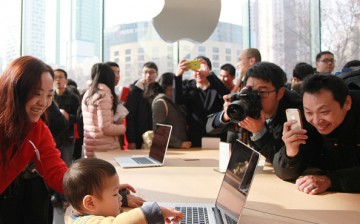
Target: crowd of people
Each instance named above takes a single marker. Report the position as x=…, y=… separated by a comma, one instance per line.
x=47, y=126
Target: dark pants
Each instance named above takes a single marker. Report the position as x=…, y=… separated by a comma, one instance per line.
x=25, y=201
x=66, y=148
x=78, y=148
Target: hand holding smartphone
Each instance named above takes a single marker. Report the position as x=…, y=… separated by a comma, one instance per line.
x=194, y=64
x=293, y=114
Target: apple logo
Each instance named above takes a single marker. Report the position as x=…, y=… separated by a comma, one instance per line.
x=193, y=20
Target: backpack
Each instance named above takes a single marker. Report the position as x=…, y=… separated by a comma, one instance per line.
x=351, y=79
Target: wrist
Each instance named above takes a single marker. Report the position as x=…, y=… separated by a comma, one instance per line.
x=291, y=153
x=124, y=194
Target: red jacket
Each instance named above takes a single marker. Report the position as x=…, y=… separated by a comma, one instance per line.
x=38, y=146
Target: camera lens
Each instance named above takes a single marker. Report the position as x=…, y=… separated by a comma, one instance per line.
x=237, y=111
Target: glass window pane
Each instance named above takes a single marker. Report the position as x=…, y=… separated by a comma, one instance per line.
x=340, y=30
x=281, y=31
x=129, y=27
x=64, y=34
x=10, y=23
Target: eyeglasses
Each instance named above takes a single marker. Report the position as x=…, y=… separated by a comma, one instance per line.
x=149, y=72
x=265, y=93
x=327, y=60
x=59, y=77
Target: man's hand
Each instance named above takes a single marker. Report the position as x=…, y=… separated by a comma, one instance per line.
x=131, y=145
x=225, y=117
x=183, y=66
x=293, y=139
x=65, y=114
x=253, y=125
x=204, y=68
x=185, y=145
x=313, y=184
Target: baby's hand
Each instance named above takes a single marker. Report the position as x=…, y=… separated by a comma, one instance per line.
x=171, y=215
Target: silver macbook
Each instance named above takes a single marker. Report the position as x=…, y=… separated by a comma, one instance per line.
x=157, y=151
x=232, y=194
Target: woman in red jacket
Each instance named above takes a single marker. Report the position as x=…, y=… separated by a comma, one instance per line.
x=27, y=148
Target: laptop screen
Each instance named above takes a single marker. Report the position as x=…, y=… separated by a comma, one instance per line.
x=237, y=180
x=160, y=142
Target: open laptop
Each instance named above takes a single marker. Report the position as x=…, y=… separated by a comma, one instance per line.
x=157, y=151
x=232, y=194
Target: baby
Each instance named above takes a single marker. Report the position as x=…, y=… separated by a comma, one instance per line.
x=92, y=187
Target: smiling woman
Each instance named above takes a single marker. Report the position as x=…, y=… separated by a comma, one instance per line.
x=40, y=99
x=28, y=156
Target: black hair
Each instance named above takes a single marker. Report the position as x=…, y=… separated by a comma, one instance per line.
x=352, y=63
x=268, y=72
x=102, y=73
x=229, y=68
x=151, y=64
x=318, y=56
x=315, y=83
x=302, y=70
x=61, y=70
x=166, y=79
x=72, y=83
x=112, y=64
x=152, y=90
x=86, y=177
x=208, y=62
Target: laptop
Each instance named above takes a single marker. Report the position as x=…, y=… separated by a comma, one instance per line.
x=232, y=194
x=157, y=151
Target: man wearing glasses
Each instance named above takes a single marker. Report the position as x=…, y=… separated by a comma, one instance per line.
x=263, y=133
x=139, y=119
x=325, y=62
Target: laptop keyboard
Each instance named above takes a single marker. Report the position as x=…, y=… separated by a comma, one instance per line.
x=142, y=160
x=230, y=220
x=196, y=215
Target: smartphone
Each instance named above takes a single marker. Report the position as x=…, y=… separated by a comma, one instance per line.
x=293, y=114
x=194, y=64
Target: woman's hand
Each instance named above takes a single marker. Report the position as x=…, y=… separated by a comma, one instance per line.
x=132, y=200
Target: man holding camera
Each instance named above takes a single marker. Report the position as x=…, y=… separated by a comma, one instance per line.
x=261, y=125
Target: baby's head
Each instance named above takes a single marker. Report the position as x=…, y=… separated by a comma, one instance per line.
x=91, y=186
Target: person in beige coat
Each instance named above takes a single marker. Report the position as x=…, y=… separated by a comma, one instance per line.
x=98, y=200
x=99, y=104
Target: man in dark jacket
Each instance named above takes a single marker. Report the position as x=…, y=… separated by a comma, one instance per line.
x=263, y=133
x=202, y=96
x=68, y=104
x=333, y=153
x=139, y=119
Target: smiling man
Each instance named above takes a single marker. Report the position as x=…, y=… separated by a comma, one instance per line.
x=333, y=153
x=227, y=75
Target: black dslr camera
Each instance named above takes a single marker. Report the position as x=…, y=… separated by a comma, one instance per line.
x=245, y=103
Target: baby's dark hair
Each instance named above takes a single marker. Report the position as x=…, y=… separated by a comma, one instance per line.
x=86, y=177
